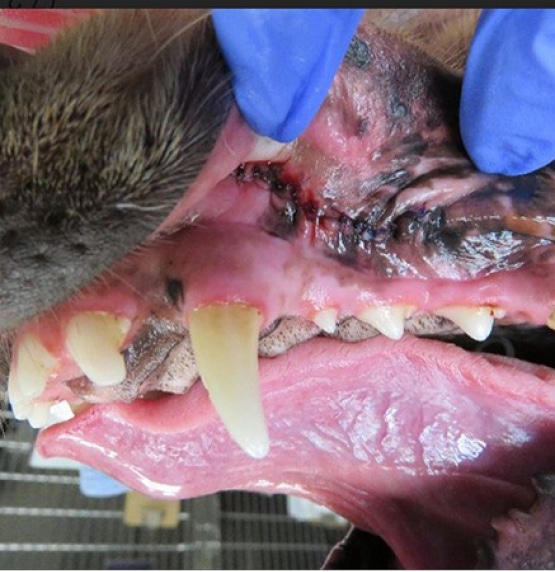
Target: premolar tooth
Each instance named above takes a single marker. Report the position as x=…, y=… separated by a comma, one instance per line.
x=33, y=365
x=326, y=320
x=225, y=345
x=476, y=322
x=94, y=339
x=388, y=320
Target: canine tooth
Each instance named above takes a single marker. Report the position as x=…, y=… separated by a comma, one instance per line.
x=551, y=320
x=326, y=320
x=476, y=322
x=225, y=344
x=93, y=339
x=33, y=365
x=388, y=320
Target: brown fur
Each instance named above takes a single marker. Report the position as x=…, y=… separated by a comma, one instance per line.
x=100, y=135
x=444, y=34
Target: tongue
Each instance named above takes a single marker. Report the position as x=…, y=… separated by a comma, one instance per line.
x=416, y=440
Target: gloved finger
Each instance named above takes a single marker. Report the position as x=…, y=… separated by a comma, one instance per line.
x=508, y=97
x=283, y=62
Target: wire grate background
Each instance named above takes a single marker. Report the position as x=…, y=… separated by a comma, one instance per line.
x=46, y=523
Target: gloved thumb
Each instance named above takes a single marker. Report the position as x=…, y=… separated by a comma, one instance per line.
x=508, y=98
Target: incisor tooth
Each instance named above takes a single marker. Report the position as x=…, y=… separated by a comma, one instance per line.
x=94, y=339
x=21, y=405
x=225, y=345
x=49, y=413
x=388, y=320
x=39, y=414
x=60, y=411
x=476, y=322
x=33, y=365
x=326, y=320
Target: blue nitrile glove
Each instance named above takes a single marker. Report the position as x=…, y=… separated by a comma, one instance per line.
x=95, y=484
x=283, y=62
x=508, y=97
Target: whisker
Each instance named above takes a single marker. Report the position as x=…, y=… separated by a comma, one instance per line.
x=180, y=32
x=115, y=275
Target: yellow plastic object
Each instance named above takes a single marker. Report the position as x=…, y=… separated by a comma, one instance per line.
x=141, y=510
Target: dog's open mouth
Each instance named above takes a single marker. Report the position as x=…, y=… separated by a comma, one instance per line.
x=336, y=296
